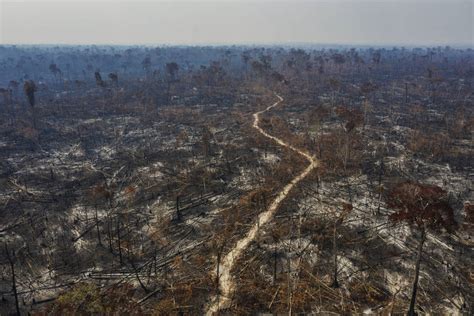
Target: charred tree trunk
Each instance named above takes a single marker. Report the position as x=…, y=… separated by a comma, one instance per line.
x=119, y=241
x=218, y=268
x=168, y=91
x=381, y=173
x=406, y=92
x=411, y=310
x=274, y=265
x=137, y=274
x=10, y=258
x=109, y=234
x=97, y=226
x=335, y=283
x=178, y=211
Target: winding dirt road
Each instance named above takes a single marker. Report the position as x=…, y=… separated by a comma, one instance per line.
x=226, y=282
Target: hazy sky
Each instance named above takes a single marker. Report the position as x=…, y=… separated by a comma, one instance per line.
x=404, y=22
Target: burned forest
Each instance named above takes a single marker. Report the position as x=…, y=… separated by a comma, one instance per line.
x=236, y=180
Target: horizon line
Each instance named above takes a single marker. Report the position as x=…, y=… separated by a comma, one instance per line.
x=261, y=44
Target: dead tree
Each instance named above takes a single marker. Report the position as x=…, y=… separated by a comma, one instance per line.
x=30, y=88
x=98, y=79
x=424, y=207
x=114, y=78
x=172, y=71
x=346, y=208
x=11, y=261
x=178, y=211
x=119, y=240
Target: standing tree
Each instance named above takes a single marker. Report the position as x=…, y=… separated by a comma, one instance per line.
x=172, y=71
x=335, y=85
x=56, y=72
x=424, y=207
x=13, y=85
x=367, y=107
x=98, y=79
x=30, y=88
x=346, y=209
x=246, y=60
x=206, y=138
x=114, y=78
x=338, y=60
x=368, y=89
x=146, y=64
x=7, y=95
x=377, y=56
x=11, y=260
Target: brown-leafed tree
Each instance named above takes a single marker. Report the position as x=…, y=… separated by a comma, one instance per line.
x=424, y=207
x=172, y=72
x=30, y=88
x=98, y=79
x=468, y=213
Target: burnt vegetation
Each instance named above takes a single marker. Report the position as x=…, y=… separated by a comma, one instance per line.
x=127, y=173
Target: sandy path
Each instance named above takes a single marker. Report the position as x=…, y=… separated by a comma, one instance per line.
x=226, y=282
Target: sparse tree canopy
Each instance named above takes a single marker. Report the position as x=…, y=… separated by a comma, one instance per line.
x=422, y=205
x=172, y=70
x=30, y=88
x=98, y=79
x=113, y=77
x=54, y=69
